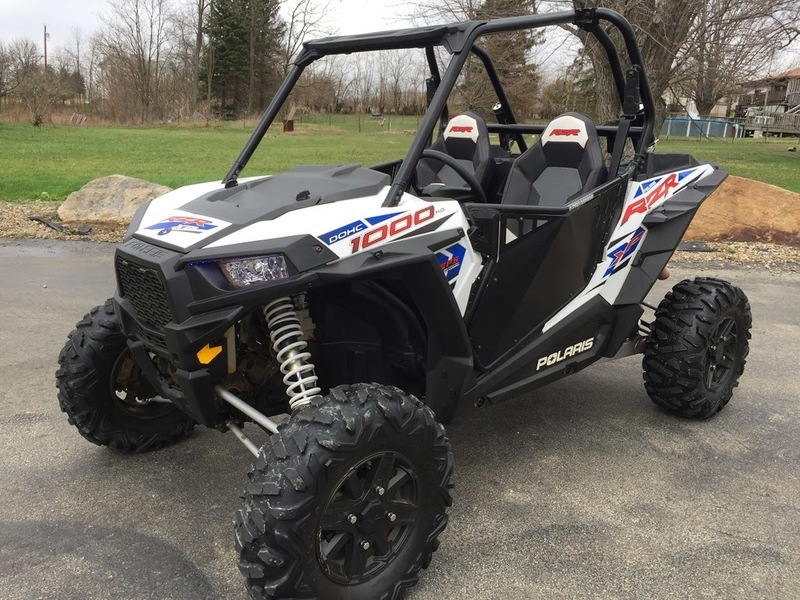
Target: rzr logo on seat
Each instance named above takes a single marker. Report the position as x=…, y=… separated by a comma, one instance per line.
x=461, y=129
x=391, y=229
x=186, y=224
x=565, y=132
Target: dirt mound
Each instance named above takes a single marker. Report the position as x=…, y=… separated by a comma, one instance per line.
x=743, y=210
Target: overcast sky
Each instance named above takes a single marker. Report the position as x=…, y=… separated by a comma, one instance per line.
x=26, y=18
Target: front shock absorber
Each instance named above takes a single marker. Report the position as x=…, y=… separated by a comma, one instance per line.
x=286, y=335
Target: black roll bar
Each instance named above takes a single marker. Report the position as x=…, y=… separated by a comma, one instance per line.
x=263, y=125
x=455, y=38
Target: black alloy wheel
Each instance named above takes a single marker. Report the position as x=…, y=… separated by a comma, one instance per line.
x=368, y=518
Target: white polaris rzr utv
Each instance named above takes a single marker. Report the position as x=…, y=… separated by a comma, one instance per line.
x=373, y=304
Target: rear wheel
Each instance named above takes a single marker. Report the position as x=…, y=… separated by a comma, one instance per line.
x=697, y=347
x=347, y=500
x=101, y=390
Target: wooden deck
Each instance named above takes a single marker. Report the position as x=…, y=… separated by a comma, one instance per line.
x=773, y=125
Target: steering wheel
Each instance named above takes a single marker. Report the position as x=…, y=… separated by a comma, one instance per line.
x=468, y=177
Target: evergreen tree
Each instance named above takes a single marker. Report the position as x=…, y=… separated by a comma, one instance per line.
x=244, y=44
x=511, y=55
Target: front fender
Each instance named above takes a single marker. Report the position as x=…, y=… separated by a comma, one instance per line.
x=449, y=352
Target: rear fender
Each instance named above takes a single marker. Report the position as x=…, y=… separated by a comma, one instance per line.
x=665, y=229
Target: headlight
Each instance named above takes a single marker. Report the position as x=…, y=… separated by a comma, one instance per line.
x=257, y=269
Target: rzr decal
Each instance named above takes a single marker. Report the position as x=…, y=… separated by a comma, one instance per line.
x=451, y=259
x=565, y=132
x=461, y=129
x=619, y=254
x=185, y=224
x=655, y=191
x=391, y=229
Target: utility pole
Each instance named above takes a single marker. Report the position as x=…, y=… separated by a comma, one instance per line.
x=46, y=35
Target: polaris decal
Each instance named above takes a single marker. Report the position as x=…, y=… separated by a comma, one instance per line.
x=655, y=191
x=624, y=251
x=557, y=357
x=343, y=232
x=392, y=228
x=451, y=259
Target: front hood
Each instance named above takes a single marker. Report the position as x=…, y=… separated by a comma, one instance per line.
x=197, y=215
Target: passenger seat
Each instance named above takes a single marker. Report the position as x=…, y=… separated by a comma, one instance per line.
x=564, y=163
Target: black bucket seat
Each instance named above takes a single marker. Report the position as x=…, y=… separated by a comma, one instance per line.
x=465, y=139
x=565, y=162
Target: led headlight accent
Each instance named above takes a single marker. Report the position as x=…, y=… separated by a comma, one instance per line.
x=257, y=269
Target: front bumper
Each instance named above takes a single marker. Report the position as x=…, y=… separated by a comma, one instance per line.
x=171, y=307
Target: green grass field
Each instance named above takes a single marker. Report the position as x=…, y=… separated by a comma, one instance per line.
x=766, y=160
x=51, y=162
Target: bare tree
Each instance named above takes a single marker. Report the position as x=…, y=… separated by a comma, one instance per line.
x=19, y=61
x=39, y=91
x=7, y=83
x=305, y=19
x=200, y=8
x=443, y=11
x=662, y=27
x=732, y=42
x=135, y=43
x=93, y=57
x=395, y=72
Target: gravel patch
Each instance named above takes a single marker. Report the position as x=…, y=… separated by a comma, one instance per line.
x=16, y=223
x=775, y=258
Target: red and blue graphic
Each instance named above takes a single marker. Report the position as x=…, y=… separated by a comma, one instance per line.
x=655, y=191
x=451, y=259
x=184, y=224
x=619, y=256
x=345, y=231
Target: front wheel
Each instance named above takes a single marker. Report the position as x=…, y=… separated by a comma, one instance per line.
x=697, y=347
x=347, y=500
x=103, y=393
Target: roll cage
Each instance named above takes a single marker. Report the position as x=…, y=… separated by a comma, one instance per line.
x=459, y=39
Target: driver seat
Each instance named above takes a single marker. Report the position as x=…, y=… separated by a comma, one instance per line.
x=466, y=139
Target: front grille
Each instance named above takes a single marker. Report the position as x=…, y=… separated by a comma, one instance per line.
x=152, y=340
x=143, y=287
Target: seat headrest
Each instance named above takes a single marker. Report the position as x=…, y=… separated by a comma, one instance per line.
x=567, y=128
x=464, y=126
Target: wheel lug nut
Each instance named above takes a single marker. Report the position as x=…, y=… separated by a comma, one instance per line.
x=352, y=519
x=380, y=491
x=365, y=544
x=392, y=517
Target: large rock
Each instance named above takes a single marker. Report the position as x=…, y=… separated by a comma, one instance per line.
x=113, y=199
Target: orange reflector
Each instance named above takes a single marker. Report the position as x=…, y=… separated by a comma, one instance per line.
x=208, y=353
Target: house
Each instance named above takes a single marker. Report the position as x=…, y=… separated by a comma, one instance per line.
x=771, y=106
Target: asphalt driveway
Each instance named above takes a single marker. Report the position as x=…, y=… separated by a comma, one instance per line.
x=581, y=490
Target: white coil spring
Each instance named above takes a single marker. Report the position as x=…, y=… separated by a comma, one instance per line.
x=286, y=335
